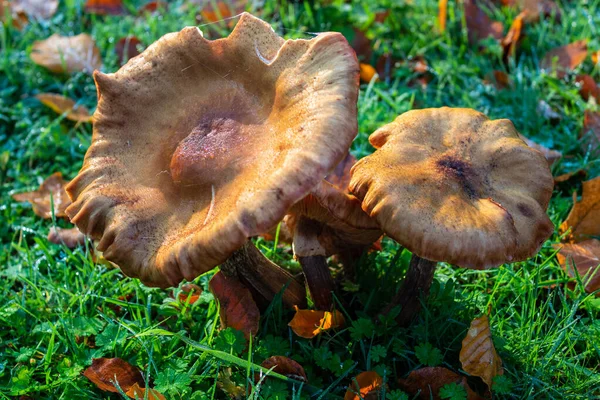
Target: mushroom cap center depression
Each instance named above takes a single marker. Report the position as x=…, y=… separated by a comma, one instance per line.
x=456, y=170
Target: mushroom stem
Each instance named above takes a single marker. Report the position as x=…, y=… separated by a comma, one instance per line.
x=263, y=276
x=416, y=283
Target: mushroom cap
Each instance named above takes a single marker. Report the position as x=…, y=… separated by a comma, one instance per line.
x=199, y=145
x=452, y=185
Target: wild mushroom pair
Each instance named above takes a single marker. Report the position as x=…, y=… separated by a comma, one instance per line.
x=200, y=145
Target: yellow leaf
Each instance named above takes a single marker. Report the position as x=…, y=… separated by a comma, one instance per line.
x=309, y=323
x=478, y=355
x=68, y=54
x=61, y=105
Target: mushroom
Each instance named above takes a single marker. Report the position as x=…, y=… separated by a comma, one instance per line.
x=326, y=222
x=451, y=185
x=199, y=145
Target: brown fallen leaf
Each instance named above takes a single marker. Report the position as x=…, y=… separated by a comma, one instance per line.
x=551, y=155
x=189, y=293
x=137, y=392
x=537, y=9
x=225, y=9
x=479, y=25
x=442, y=14
x=367, y=72
x=362, y=45
x=513, y=37
x=427, y=382
x=105, y=7
x=67, y=54
x=585, y=257
x=284, y=366
x=366, y=385
x=64, y=105
x=590, y=134
x=127, y=48
x=35, y=9
x=69, y=237
x=587, y=87
x=105, y=371
x=500, y=79
x=154, y=6
x=340, y=176
x=577, y=175
x=478, y=356
x=584, y=218
x=19, y=20
x=565, y=58
x=237, y=308
x=53, y=186
x=310, y=323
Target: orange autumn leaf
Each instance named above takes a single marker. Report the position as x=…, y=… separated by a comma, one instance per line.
x=53, y=187
x=501, y=79
x=284, y=366
x=104, y=7
x=67, y=54
x=551, y=155
x=127, y=48
x=427, y=383
x=442, y=15
x=365, y=385
x=512, y=38
x=479, y=25
x=565, y=58
x=154, y=6
x=309, y=323
x=69, y=237
x=478, y=356
x=189, y=293
x=596, y=57
x=237, y=308
x=584, y=218
x=105, y=371
x=590, y=134
x=585, y=257
x=137, y=392
x=7, y=13
x=340, y=176
x=587, y=87
x=225, y=9
x=64, y=105
x=367, y=72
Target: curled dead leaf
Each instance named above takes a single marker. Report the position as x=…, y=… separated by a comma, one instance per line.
x=427, y=382
x=565, y=58
x=478, y=355
x=366, y=385
x=551, y=155
x=237, y=308
x=309, y=323
x=69, y=237
x=590, y=134
x=64, y=105
x=479, y=25
x=137, y=392
x=585, y=257
x=367, y=72
x=67, y=54
x=52, y=188
x=513, y=37
x=105, y=371
x=284, y=366
x=105, y=7
x=127, y=48
x=340, y=176
x=584, y=218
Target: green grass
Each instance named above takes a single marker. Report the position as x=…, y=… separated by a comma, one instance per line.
x=52, y=298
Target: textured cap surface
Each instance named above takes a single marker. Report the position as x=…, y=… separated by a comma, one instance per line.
x=452, y=185
x=200, y=144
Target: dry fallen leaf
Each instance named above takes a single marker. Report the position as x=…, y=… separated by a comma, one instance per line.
x=19, y=20
x=340, y=176
x=367, y=72
x=127, y=48
x=478, y=356
x=53, y=186
x=237, y=308
x=479, y=25
x=64, y=105
x=309, y=323
x=513, y=37
x=569, y=177
x=362, y=45
x=189, y=293
x=443, y=14
x=537, y=9
x=104, y=7
x=584, y=218
x=365, y=385
x=105, y=371
x=227, y=385
x=225, y=9
x=551, y=155
x=284, y=366
x=67, y=54
x=500, y=79
x=69, y=237
x=588, y=87
x=137, y=392
x=36, y=9
x=585, y=256
x=565, y=58
x=154, y=6
x=590, y=134
x=428, y=381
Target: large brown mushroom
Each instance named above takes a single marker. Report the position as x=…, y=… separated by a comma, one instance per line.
x=451, y=185
x=199, y=145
